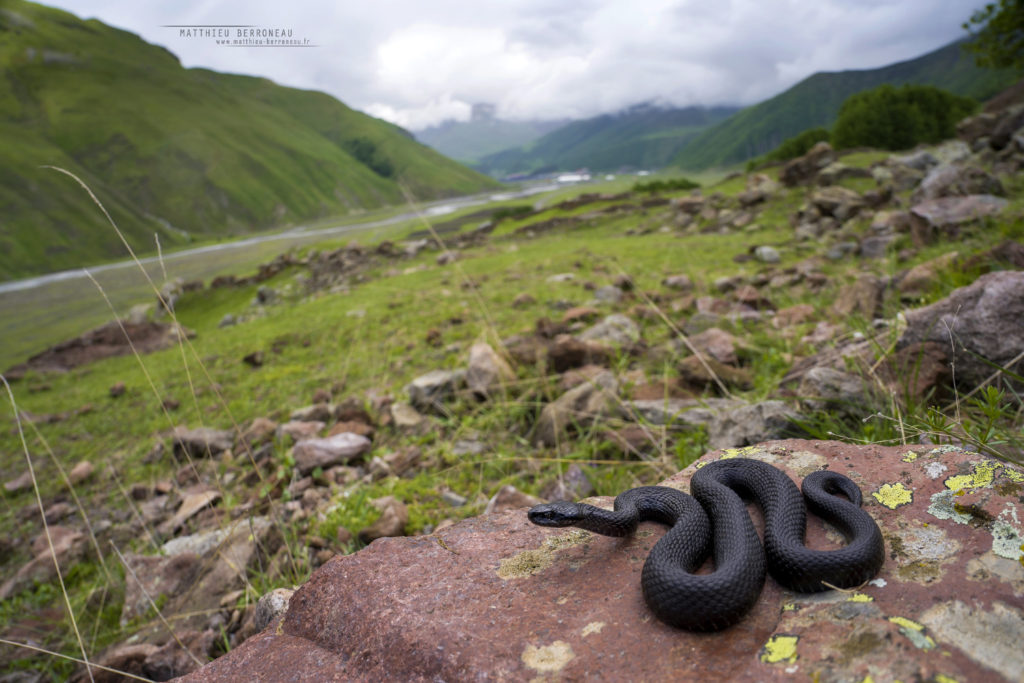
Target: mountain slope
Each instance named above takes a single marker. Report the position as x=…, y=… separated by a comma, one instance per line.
x=643, y=136
x=815, y=101
x=179, y=153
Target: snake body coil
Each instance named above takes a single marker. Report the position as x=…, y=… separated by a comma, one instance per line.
x=715, y=520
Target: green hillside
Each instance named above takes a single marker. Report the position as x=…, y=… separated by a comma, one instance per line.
x=469, y=141
x=815, y=101
x=184, y=154
x=644, y=136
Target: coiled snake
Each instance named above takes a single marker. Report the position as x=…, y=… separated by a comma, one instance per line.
x=715, y=520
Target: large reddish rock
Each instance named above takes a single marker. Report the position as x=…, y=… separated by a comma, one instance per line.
x=495, y=598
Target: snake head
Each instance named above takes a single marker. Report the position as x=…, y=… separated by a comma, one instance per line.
x=560, y=513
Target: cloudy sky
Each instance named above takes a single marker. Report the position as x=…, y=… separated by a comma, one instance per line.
x=418, y=62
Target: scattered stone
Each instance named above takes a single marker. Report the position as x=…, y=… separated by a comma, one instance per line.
x=918, y=371
x=509, y=498
x=405, y=417
x=318, y=412
x=446, y=257
x=523, y=300
x=841, y=250
x=572, y=485
x=701, y=373
x=259, y=431
x=863, y=297
x=393, y=517
x=297, y=430
x=824, y=388
x=716, y=343
x=154, y=578
x=580, y=406
x=767, y=254
x=609, y=294
x=793, y=315
x=838, y=202
x=429, y=392
x=561, y=277
x=69, y=546
x=985, y=321
x=632, y=441
x=117, y=390
x=949, y=180
x=923, y=277
x=803, y=170
x=433, y=337
x=254, y=359
x=943, y=216
x=681, y=282
x=579, y=313
x=191, y=504
x=80, y=472
x=339, y=449
x=353, y=427
x=58, y=511
x=616, y=329
x=876, y=246
x=487, y=372
x=568, y=352
x=201, y=442
x=624, y=282
x=750, y=424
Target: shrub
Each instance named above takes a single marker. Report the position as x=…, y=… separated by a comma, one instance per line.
x=899, y=118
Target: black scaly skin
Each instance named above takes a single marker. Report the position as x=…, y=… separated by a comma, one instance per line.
x=711, y=602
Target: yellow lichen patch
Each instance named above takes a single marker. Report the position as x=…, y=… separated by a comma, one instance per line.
x=593, y=627
x=860, y=597
x=744, y=452
x=909, y=456
x=981, y=476
x=789, y=607
x=893, y=495
x=548, y=658
x=530, y=562
x=780, y=649
x=940, y=678
x=1013, y=475
x=914, y=631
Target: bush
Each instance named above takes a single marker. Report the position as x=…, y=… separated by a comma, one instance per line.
x=366, y=152
x=513, y=212
x=669, y=185
x=899, y=118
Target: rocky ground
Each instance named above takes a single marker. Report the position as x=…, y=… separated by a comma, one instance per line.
x=867, y=296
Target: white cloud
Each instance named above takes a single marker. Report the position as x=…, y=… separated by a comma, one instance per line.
x=417, y=63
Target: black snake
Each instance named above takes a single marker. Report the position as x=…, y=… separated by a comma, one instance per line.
x=719, y=523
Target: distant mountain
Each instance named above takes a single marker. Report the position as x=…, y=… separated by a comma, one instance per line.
x=815, y=102
x=175, y=153
x=483, y=134
x=643, y=136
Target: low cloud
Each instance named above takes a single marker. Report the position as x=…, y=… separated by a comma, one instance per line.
x=417, y=64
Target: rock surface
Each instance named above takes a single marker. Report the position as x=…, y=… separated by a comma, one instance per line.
x=985, y=318
x=495, y=597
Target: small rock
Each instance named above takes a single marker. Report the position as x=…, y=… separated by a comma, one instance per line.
x=616, y=329
x=680, y=282
x=694, y=372
x=577, y=313
x=509, y=498
x=360, y=428
x=573, y=485
x=318, y=412
x=716, y=343
x=80, y=472
x=453, y=499
x=393, y=517
x=117, y=389
x=259, y=431
x=297, y=430
x=335, y=450
x=428, y=392
x=201, y=442
x=254, y=359
x=767, y=254
x=580, y=406
x=487, y=372
x=608, y=294
x=405, y=417
x=523, y=300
